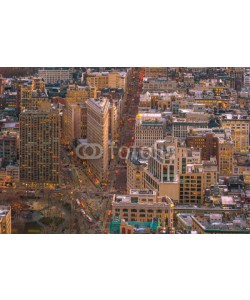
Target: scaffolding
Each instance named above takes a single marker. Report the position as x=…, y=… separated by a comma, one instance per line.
x=139, y=227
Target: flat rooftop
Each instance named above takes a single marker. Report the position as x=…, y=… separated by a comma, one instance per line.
x=186, y=218
x=234, y=117
x=11, y=125
x=39, y=94
x=142, y=192
x=99, y=102
x=227, y=200
x=240, y=225
x=139, y=156
x=183, y=120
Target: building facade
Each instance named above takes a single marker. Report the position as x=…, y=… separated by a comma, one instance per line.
x=5, y=219
x=34, y=96
x=208, y=143
x=192, y=185
x=76, y=93
x=156, y=72
x=74, y=121
x=55, y=75
x=180, y=126
x=159, y=84
x=162, y=172
x=97, y=133
x=143, y=206
x=40, y=133
x=149, y=128
x=136, y=163
x=239, y=128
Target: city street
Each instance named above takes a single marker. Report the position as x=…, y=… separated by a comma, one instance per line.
x=53, y=209
x=128, y=129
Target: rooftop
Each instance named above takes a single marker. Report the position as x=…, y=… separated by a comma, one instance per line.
x=160, y=79
x=185, y=218
x=100, y=103
x=184, y=120
x=11, y=125
x=208, y=223
x=39, y=94
x=4, y=210
x=142, y=192
x=227, y=200
x=139, y=156
x=234, y=117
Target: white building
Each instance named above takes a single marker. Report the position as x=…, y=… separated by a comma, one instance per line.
x=55, y=75
x=149, y=128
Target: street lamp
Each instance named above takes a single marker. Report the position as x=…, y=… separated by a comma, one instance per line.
x=26, y=191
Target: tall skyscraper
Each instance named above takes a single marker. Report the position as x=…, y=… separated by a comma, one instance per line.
x=74, y=121
x=97, y=133
x=40, y=147
x=34, y=96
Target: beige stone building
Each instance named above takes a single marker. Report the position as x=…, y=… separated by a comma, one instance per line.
x=160, y=84
x=145, y=101
x=74, y=121
x=192, y=185
x=149, y=128
x=34, y=96
x=226, y=151
x=180, y=126
x=114, y=121
x=211, y=173
x=136, y=163
x=97, y=133
x=162, y=172
x=143, y=206
x=239, y=127
x=76, y=93
x=156, y=72
x=12, y=171
x=102, y=80
x=5, y=219
x=55, y=75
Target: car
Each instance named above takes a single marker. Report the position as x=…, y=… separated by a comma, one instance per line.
x=89, y=219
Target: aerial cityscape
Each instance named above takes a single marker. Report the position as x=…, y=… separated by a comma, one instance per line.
x=124, y=150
